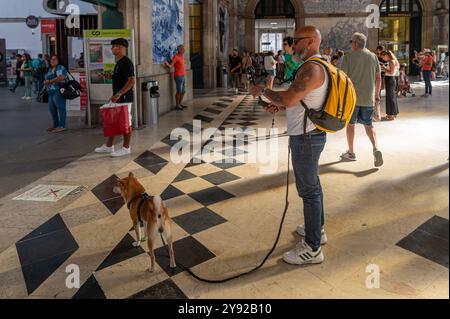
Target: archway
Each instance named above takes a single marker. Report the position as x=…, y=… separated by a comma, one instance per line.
x=420, y=16
x=401, y=29
x=275, y=20
x=298, y=6
x=271, y=17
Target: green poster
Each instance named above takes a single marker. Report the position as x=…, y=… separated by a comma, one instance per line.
x=113, y=33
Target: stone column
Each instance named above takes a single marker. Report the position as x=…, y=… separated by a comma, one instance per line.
x=232, y=28
x=443, y=35
x=210, y=40
x=427, y=29
x=299, y=21
x=372, y=39
x=442, y=14
x=250, y=34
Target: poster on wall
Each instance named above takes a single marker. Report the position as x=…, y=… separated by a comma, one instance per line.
x=168, y=29
x=95, y=53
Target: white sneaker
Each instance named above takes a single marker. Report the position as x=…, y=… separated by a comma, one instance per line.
x=28, y=98
x=302, y=254
x=323, y=239
x=349, y=156
x=23, y=97
x=122, y=152
x=104, y=149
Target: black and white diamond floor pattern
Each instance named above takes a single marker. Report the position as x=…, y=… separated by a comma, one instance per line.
x=47, y=247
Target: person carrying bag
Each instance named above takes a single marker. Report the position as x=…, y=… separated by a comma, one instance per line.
x=70, y=88
x=116, y=118
x=54, y=80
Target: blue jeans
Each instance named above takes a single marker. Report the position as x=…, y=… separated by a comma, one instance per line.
x=27, y=86
x=16, y=83
x=306, y=151
x=38, y=83
x=57, y=108
x=427, y=79
x=181, y=84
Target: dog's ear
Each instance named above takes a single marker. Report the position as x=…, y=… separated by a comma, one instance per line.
x=131, y=175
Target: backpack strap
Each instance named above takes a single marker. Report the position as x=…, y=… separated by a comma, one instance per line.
x=305, y=117
x=345, y=96
x=323, y=62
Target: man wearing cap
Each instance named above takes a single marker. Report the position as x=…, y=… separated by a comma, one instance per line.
x=123, y=82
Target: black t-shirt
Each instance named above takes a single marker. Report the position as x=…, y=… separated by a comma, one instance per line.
x=18, y=66
x=122, y=72
x=234, y=63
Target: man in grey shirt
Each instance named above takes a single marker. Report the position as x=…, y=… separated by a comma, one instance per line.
x=364, y=70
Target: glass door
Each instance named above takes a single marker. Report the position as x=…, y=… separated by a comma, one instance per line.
x=271, y=42
x=395, y=36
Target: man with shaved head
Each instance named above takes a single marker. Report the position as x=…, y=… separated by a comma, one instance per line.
x=306, y=142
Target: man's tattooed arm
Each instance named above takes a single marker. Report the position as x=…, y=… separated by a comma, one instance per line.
x=275, y=97
x=306, y=81
x=304, y=78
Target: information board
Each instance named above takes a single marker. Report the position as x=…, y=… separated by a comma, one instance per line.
x=99, y=61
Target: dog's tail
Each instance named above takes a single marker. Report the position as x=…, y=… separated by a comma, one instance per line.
x=159, y=206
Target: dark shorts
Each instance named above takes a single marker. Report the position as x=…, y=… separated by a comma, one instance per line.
x=181, y=84
x=363, y=115
x=271, y=72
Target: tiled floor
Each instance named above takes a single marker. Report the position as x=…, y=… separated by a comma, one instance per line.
x=226, y=214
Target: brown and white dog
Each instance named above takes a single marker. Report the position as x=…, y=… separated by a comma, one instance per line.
x=154, y=215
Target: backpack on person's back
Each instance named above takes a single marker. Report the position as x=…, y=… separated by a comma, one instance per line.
x=41, y=69
x=340, y=103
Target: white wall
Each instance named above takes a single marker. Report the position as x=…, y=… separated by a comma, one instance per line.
x=18, y=36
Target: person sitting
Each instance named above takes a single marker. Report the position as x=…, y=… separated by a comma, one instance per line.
x=404, y=86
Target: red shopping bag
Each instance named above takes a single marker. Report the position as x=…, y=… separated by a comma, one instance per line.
x=116, y=120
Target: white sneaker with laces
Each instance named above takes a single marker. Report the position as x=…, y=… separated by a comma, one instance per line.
x=302, y=254
x=122, y=152
x=323, y=239
x=23, y=97
x=349, y=156
x=104, y=149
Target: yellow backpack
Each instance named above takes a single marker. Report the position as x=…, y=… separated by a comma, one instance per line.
x=339, y=104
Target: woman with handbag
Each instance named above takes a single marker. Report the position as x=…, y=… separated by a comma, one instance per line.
x=56, y=101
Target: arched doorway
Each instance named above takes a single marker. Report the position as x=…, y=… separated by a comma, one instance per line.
x=271, y=17
x=274, y=20
x=401, y=30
